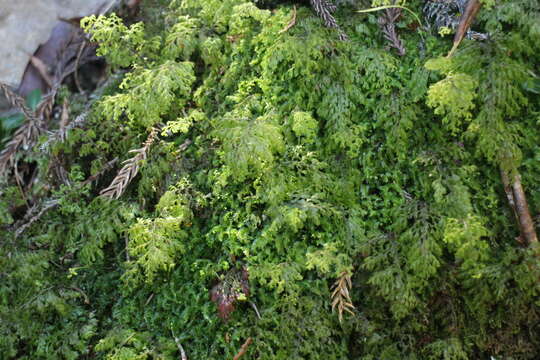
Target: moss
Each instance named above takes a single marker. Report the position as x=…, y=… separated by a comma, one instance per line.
x=293, y=159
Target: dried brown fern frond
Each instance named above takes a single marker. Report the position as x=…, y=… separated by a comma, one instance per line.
x=25, y=137
x=129, y=170
x=17, y=101
x=324, y=10
x=341, y=299
x=387, y=22
x=62, y=133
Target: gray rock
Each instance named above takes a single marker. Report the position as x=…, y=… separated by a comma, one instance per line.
x=26, y=24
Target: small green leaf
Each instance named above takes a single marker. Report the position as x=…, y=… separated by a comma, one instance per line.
x=11, y=122
x=532, y=85
x=33, y=98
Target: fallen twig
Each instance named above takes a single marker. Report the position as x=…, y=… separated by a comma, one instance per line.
x=243, y=349
x=41, y=67
x=256, y=310
x=149, y=298
x=105, y=167
x=291, y=23
x=525, y=220
x=183, y=355
x=77, y=62
x=518, y=202
x=86, y=299
x=49, y=205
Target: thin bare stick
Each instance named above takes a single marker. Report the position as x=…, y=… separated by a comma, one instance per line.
x=518, y=202
x=64, y=118
x=243, y=349
x=126, y=244
x=41, y=67
x=105, y=168
x=149, y=298
x=291, y=23
x=51, y=204
x=77, y=61
x=255, y=308
x=86, y=299
x=183, y=355
x=509, y=193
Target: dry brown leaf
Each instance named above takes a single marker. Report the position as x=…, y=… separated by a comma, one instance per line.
x=467, y=19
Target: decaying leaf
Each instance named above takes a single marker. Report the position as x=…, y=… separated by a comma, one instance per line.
x=228, y=291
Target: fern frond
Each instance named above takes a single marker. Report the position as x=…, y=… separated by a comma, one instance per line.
x=341, y=298
x=324, y=10
x=129, y=170
x=25, y=137
x=387, y=22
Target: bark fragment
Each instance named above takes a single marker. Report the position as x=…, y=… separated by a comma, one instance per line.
x=518, y=202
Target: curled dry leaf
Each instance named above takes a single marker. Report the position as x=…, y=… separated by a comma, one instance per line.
x=466, y=20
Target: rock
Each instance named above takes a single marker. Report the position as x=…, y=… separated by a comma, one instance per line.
x=26, y=24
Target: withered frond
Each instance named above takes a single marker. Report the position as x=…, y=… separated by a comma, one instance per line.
x=129, y=170
x=324, y=10
x=25, y=137
x=341, y=299
x=387, y=22
x=17, y=101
